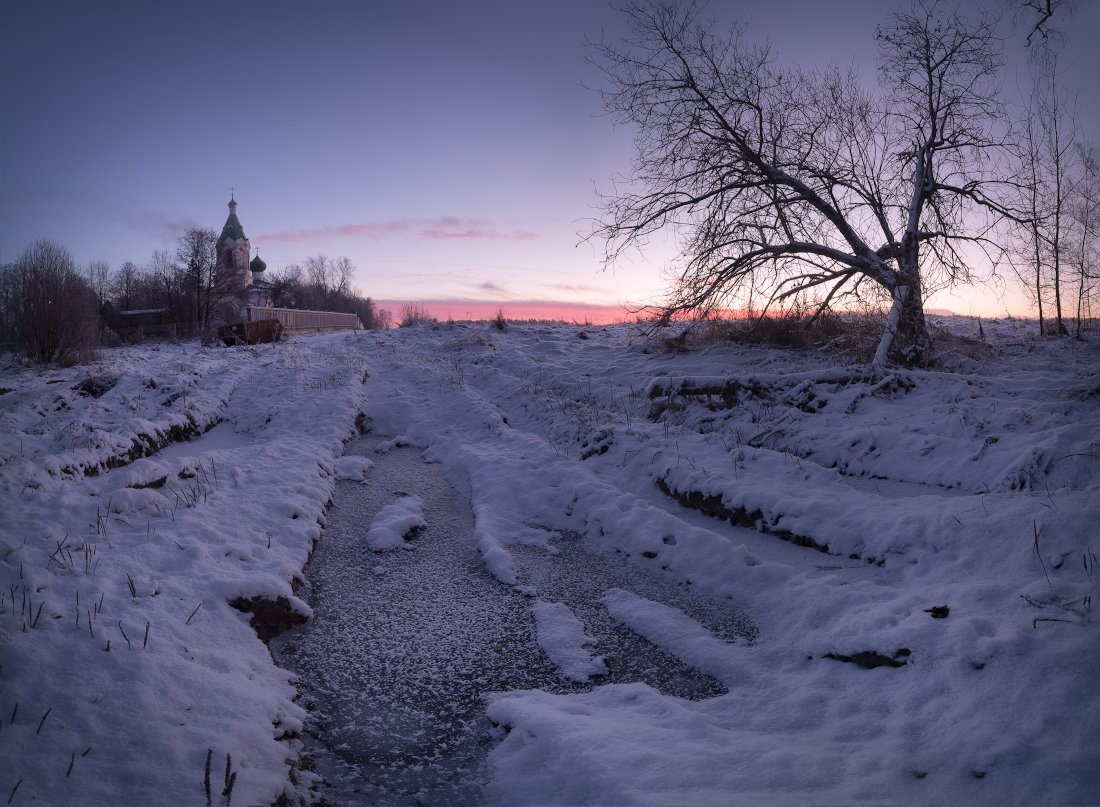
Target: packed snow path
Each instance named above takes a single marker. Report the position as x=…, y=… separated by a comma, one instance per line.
x=404, y=645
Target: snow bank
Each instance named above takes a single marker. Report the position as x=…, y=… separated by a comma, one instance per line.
x=673, y=629
x=563, y=638
x=395, y=522
x=627, y=744
x=124, y=663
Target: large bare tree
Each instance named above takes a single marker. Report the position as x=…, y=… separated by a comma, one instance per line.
x=786, y=182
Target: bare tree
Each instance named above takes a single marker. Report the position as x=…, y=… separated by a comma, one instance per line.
x=1085, y=211
x=382, y=320
x=99, y=279
x=326, y=284
x=164, y=284
x=206, y=287
x=288, y=284
x=786, y=182
x=1059, y=134
x=320, y=277
x=1043, y=239
x=53, y=313
x=1036, y=16
x=1028, y=237
x=1058, y=126
x=329, y=280
x=125, y=289
x=343, y=272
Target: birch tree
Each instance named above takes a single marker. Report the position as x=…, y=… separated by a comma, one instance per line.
x=784, y=181
x=1085, y=211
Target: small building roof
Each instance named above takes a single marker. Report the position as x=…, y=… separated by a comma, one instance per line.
x=133, y=312
x=257, y=265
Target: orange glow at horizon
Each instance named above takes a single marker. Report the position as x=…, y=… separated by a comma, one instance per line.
x=609, y=314
x=579, y=313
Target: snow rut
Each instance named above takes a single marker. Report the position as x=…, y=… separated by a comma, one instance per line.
x=405, y=644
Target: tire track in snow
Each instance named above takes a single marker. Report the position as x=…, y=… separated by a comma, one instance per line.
x=404, y=645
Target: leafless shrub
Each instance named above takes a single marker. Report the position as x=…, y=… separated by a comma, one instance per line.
x=49, y=310
x=416, y=314
x=852, y=333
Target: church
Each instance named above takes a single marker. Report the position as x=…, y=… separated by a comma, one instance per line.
x=243, y=275
x=250, y=298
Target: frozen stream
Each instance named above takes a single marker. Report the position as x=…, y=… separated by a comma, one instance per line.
x=404, y=644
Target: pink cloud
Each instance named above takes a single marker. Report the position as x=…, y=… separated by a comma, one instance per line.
x=444, y=228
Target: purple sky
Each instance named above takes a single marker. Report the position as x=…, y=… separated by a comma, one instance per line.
x=448, y=149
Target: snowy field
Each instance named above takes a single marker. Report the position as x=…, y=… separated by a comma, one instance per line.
x=917, y=551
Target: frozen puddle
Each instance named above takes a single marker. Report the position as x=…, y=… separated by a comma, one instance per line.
x=404, y=644
x=580, y=577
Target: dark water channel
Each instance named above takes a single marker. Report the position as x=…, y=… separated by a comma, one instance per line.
x=404, y=644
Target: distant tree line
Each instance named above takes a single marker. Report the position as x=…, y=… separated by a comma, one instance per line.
x=324, y=284
x=51, y=310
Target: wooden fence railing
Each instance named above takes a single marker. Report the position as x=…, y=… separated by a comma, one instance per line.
x=296, y=321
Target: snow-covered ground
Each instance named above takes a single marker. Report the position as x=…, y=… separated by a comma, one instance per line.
x=941, y=525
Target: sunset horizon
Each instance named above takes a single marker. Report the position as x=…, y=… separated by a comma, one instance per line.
x=445, y=151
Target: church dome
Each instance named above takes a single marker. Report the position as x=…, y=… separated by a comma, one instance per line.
x=257, y=265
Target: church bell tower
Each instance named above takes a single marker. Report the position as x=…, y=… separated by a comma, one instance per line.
x=233, y=250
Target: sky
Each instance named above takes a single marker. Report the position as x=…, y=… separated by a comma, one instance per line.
x=451, y=150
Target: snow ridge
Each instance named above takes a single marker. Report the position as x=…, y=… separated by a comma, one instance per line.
x=395, y=523
x=118, y=584
x=565, y=641
x=681, y=635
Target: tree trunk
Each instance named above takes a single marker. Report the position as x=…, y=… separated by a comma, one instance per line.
x=906, y=340
x=1038, y=278
x=1080, y=303
x=1062, y=330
